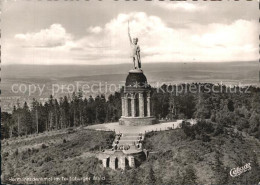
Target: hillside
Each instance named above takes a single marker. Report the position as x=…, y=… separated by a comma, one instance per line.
x=64, y=153
x=174, y=158
x=191, y=161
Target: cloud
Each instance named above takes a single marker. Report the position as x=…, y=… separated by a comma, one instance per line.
x=54, y=36
x=112, y=41
x=236, y=33
x=159, y=42
x=95, y=29
x=183, y=6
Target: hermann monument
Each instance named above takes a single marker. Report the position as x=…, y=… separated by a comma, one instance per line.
x=136, y=101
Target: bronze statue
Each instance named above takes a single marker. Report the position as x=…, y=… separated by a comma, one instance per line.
x=135, y=50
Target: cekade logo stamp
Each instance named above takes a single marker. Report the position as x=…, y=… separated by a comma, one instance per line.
x=234, y=172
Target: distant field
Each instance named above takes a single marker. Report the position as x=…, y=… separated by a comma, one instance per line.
x=228, y=73
x=246, y=72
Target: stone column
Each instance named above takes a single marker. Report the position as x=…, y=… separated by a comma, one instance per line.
x=140, y=146
x=123, y=105
x=122, y=163
x=126, y=106
x=148, y=105
x=105, y=161
x=112, y=164
x=133, y=105
x=131, y=161
x=141, y=105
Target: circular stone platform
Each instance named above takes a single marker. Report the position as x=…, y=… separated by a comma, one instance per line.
x=137, y=129
x=137, y=121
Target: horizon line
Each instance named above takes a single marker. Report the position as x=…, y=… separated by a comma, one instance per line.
x=193, y=62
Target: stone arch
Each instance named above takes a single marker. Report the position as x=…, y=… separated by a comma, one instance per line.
x=145, y=104
x=116, y=163
x=127, y=95
x=137, y=112
x=126, y=162
x=128, y=99
x=108, y=162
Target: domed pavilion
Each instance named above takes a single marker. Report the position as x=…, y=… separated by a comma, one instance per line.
x=136, y=100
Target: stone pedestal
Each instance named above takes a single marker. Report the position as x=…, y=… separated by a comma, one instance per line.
x=137, y=93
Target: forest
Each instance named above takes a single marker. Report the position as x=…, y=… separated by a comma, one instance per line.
x=236, y=106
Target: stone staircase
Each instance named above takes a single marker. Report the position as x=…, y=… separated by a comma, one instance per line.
x=126, y=141
x=126, y=150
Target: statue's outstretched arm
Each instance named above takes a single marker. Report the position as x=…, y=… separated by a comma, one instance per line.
x=130, y=39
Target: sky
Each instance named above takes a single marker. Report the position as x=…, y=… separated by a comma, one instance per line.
x=95, y=32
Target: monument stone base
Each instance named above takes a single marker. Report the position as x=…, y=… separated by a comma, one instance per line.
x=137, y=121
